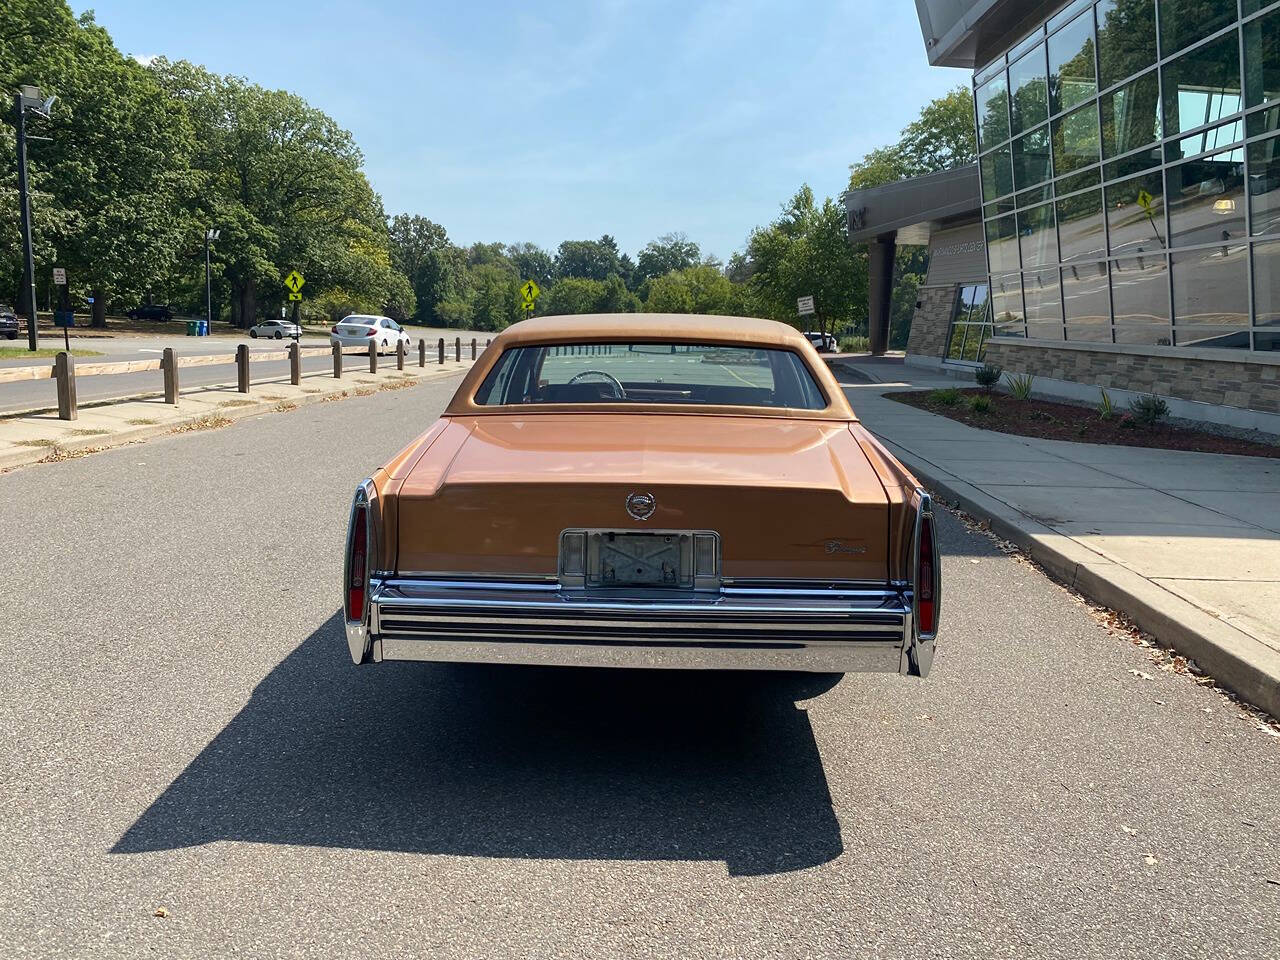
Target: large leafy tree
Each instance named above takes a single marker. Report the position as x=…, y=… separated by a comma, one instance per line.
x=588, y=259
x=671, y=251
x=694, y=289
x=942, y=137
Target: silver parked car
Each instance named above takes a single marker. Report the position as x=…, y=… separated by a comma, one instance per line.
x=277, y=329
x=358, y=330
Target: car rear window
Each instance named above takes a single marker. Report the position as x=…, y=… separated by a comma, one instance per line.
x=648, y=373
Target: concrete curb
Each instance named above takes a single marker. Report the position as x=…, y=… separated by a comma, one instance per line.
x=34, y=455
x=1242, y=664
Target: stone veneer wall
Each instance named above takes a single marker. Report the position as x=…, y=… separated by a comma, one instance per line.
x=928, y=337
x=1252, y=386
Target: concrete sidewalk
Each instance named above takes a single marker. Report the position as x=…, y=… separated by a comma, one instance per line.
x=1186, y=544
x=30, y=438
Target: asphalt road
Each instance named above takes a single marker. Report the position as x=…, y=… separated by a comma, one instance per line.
x=184, y=733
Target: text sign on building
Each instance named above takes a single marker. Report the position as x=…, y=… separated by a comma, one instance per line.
x=804, y=305
x=60, y=276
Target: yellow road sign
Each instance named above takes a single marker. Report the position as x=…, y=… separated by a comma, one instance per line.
x=529, y=292
x=294, y=281
x=295, y=296
x=1145, y=200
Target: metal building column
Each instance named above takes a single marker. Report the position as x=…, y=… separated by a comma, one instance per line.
x=880, y=257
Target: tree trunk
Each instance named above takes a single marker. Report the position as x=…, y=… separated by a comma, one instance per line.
x=98, y=311
x=248, y=304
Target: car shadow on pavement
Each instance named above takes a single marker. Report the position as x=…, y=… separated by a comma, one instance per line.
x=509, y=762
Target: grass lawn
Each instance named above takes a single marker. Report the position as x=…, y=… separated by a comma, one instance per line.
x=22, y=353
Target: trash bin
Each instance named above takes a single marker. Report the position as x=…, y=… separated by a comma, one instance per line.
x=202, y=328
x=191, y=328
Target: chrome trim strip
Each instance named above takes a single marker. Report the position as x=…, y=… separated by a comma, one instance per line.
x=359, y=632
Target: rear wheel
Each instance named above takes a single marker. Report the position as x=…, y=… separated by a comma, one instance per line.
x=279, y=335
x=254, y=334
x=12, y=335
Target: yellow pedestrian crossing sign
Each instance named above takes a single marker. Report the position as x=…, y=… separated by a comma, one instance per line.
x=529, y=291
x=294, y=282
x=1145, y=200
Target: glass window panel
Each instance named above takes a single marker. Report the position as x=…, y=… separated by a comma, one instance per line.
x=1262, y=59
x=1031, y=158
x=1140, y=300
x=1043, y=303
x=1058, y=19
x=1264, y=185
x=972, y=343
x=1131, y=115
x=1036, y=237
x=1075, y=139
x=1079, y=181
x=1080, y=227
x=1253, y=6
x=1029, y=198
x=1085, y=297
x=1266, y=284
x=987, y=72
x=1002, y=244
x=1210, y=289
x=1006, y=305
x=1203, y=86
x=981, y=304
x=1134, y=163
x=1135, y=214
x=1183, y=22
x=1126, y=38
x=1214, y=338
x=1206, y=199
x=956, y=344
x=997, y=173
x=1025, y=44
x=1029, y=89
x=1266, y=341
x=998, y=208
x=1072, y=77
x=1263, y=121
x=1206, y=140
x=993, y=111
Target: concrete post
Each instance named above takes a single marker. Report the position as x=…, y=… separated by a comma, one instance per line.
x=242, y=368
x=337, y=361
x=295, y=363
x=457, y=349
x=473, y=348
x=441, y=345
x=422, y=352
x=64, y=371
x=880, y=257
x=373, y=357
x=169, y=364
x=399, y=354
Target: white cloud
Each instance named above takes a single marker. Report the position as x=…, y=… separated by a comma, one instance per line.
x=145, y=59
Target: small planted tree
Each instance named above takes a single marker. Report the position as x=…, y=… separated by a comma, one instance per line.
x=988, y=376
x=1148, y=409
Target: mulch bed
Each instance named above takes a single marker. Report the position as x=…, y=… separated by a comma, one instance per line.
x=1064, y=421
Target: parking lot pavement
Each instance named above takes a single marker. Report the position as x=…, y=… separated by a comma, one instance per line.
x=194, y=768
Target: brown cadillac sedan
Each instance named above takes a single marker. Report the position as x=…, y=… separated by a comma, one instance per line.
x=645, y=491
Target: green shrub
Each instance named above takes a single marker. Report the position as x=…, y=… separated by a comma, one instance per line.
x=947, y=397
x=1020, y=386
x=855, y=344
x=988, y=376
x=1148, y=409
x=1106, y=407
x=981, y=403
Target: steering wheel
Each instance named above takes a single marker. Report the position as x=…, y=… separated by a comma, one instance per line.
x=619, y=391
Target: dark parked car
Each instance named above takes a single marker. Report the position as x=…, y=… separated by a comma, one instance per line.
x=151, y=311
x=9, y=326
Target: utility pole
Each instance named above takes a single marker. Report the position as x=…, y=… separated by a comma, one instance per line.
x=210, y=234
x=24, y=201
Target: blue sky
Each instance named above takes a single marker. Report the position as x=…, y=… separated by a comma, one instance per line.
x=554, y=121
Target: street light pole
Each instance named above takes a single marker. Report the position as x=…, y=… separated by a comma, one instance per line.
x=210, y=235
x=24, y=201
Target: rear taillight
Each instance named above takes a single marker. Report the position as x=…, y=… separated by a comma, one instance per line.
x=926, y=575
x=371, y=332
x=333, y=329
x=358, y=563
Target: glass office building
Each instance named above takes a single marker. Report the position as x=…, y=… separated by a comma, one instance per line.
x=1129, y=161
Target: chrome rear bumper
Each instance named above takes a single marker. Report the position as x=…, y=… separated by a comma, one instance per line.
x=838, y=628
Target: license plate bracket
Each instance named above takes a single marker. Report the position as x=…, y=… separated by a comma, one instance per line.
x=649, y=559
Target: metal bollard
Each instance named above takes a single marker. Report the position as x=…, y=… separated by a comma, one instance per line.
x=373, y=357
x=242, y=368
x=487, y=341
x=399, y=354
x=337, y=361
x=422, y=352
x=473, y=348
x=169, y=364
x=441, y=349
x=457, y=349
x=64, y=370
x=295, y=363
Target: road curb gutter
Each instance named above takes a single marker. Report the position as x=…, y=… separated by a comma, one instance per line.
x=1241, y=663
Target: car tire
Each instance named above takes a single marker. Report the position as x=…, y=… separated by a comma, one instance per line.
x=254, y=334
x=13, y=336
x=279, y=335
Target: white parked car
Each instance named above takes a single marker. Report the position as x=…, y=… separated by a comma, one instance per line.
x=277, y=329
x=357, y=330
x=822, y=342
